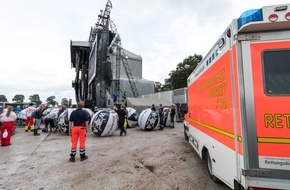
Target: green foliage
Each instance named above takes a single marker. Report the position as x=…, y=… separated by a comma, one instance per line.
x=178, y=78
x=35, y=99
x=64, y=101
x=50, y=101
x=3, y=98
x=18, y=98
x=157, y=87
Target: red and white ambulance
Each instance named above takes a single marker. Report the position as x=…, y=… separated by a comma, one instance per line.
x=238, y=116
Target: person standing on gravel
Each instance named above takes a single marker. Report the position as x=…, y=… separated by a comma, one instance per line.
x=78, y=124
x=122, y=115
x=38, y=116
x=29, y=122
x=7, y=118
x=172, y=116
x=160, y=112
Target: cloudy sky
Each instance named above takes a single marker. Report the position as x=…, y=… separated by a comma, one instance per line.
x=35, y=37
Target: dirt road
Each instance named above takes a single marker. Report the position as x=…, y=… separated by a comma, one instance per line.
x=141, y=160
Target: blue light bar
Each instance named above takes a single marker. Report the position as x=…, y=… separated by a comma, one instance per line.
x=250, y=16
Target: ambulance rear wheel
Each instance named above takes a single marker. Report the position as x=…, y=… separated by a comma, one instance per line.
x=238, y=186
x=209, y=168
x=185, y=134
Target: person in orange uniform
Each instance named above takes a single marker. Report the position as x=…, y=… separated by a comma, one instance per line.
x=29, y=122
x=7, y=118
x=78, y=124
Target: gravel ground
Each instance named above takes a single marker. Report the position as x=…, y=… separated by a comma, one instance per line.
x=141, y=160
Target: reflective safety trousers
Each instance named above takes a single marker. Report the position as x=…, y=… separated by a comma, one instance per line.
x=76, y=134
x=29, y=121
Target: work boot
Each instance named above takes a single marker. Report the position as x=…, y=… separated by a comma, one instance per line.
x=83, y=154
x=84, y=157
x=72, y=155
x=35, y=132
x=72, y=159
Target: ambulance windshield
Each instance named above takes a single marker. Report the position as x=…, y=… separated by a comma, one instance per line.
x=276, y=72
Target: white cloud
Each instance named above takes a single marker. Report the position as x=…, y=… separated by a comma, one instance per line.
x=35, y=37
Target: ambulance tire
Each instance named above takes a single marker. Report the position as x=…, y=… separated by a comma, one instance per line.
x=209, y=168
x=185, y=134
x=238, y=186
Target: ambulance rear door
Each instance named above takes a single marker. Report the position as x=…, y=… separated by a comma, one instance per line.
x=265, y=78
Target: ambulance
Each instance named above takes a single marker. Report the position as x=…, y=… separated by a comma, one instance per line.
x=238, y=117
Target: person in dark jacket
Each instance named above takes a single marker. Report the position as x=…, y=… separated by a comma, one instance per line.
x=153, y=108
x=49, y=121
x=61, y=110
x=122, y=114
x=38, y=116
x=78, y=124
x=172, y=116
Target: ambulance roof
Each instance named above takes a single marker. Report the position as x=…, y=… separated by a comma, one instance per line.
x=276, y=17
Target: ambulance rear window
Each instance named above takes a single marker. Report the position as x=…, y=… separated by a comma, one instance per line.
x=276, y=72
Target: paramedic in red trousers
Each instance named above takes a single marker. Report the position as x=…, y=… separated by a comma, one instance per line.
x=78, y=124
x=29, y=122
x=7, y=118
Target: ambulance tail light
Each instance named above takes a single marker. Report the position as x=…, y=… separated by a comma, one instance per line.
x=250, y=16
x=287, y=16
x=273, y=17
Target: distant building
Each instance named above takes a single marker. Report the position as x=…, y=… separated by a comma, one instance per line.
x=135, y=63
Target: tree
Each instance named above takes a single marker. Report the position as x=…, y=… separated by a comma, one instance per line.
x=3, y=98
x=18, y=98
x=178, y=78
x=50, y=101
x=35, y=99
x=64, y=101
x=157, y=87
